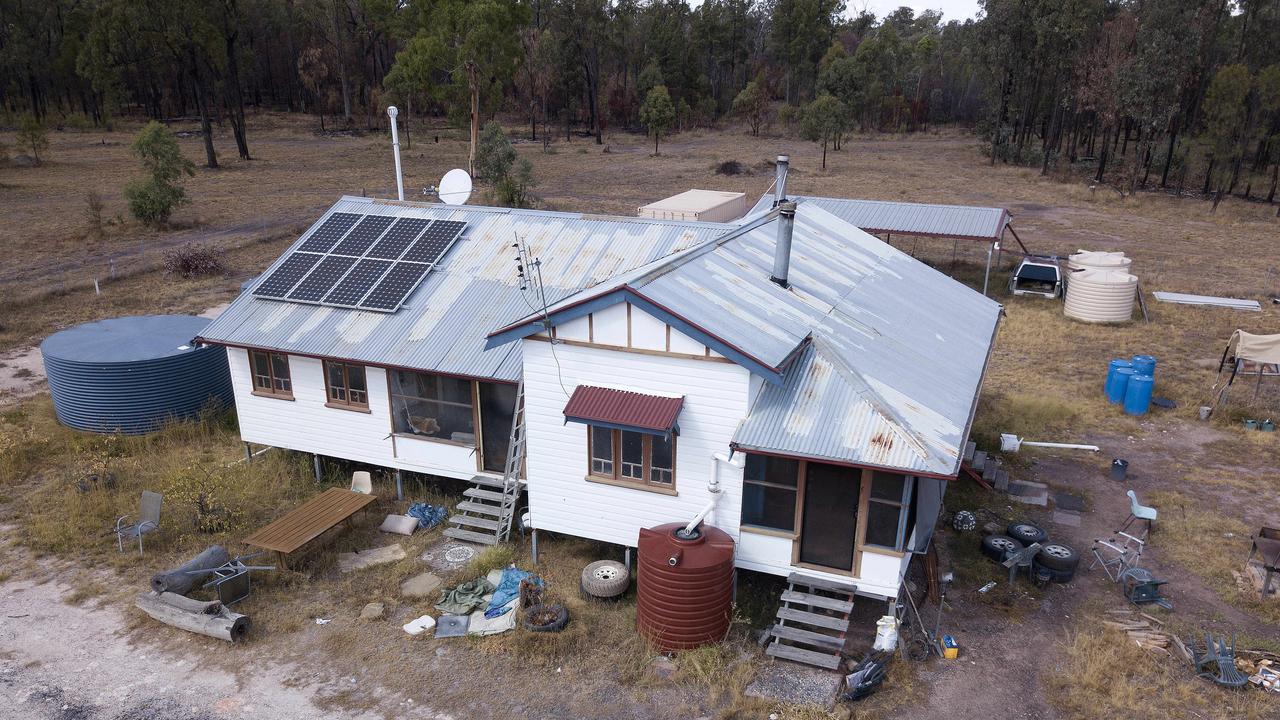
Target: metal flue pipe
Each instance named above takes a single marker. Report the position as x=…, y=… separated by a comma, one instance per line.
x=395, y=148
x=782, y=249
x=780, y=179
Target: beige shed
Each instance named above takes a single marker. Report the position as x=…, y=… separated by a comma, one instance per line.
x=701, y=205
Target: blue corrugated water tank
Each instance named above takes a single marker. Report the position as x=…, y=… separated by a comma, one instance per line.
x=133, y=374
x=1137, y=396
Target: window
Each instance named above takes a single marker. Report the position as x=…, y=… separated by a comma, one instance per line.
x=433, y=406
x=769, y=492
x=888, y=511
x=631, y=457
x=346, y=386
x=270, y=374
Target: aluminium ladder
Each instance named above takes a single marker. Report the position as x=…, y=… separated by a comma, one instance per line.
x=488, y=509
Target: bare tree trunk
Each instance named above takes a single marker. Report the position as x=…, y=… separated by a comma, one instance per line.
x=473, y=81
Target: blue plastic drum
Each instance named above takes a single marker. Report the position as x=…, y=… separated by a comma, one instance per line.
x=1111, y=374
x=1119, y=385
x=1137, y=396
x=1144, y=365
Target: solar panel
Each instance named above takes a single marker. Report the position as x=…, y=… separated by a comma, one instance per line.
x=328, y=234
x=282, y=280
x=351, y=288
x=362, y=236
x=435, y=241
x=319, y=281
x=399, y=237
x=395, y=286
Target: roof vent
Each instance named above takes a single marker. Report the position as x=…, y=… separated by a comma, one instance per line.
x=780, y=179
x=782, y=250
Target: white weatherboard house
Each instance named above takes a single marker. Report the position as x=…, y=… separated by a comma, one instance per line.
x=805, y=385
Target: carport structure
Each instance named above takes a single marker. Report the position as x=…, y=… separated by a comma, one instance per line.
x=886, y=218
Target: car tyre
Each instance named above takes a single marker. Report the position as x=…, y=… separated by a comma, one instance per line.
x=1055, y=575
x=535, y=618
x=1026, y=533
x=605, y=579
x=1057, y=556
x=999, y=547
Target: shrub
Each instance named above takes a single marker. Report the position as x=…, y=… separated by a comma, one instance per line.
x=192, y=260
x=730, y=167
x=152, y=201
x=31, y=134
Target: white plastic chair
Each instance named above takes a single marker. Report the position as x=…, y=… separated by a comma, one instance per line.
x=1138, y=511
x=362, y=482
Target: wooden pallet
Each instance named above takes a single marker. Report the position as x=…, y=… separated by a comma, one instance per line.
x=812, y=621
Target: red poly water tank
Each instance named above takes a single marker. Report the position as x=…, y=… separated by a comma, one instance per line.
x=684, y=586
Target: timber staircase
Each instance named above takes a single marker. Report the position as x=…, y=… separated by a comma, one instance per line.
x=486, y=513
x=812, y=621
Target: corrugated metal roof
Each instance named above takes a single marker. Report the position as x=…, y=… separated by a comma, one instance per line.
x=880, y=216
x=623, y=407
x=443, y=323
x=892, y=352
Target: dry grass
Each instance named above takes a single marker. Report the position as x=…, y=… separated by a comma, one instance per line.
x=1104, y=675
x=1211, y=545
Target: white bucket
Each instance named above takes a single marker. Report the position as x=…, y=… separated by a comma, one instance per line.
x=886, y=633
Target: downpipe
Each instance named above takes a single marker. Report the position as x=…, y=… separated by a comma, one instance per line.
x=713, y=487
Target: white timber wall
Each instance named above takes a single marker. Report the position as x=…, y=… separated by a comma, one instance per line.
x=561, y=499
x=307, y=425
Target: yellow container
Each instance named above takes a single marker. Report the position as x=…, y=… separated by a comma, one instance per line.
x=950, y=650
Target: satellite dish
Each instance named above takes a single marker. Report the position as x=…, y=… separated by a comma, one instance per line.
x=455, y=187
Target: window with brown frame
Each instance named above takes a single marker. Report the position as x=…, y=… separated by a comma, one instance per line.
x=769, y=491
x=345, y=385
x=270, y=374
x=634, y=458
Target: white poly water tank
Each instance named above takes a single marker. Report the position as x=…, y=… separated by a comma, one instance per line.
x=1101, y=296
x=1099, y=260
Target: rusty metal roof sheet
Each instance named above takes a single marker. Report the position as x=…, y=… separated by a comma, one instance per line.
x=880, y=216
x=623, y=408
x=443, y=323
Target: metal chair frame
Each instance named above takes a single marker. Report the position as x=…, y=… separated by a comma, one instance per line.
x=1127, y=551
x=149, y=507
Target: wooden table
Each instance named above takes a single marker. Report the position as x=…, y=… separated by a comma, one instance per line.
x=309, y=520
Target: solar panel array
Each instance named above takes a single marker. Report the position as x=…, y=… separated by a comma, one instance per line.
x=369, y=262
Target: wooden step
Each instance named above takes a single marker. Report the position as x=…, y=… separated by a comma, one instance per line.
x=791, y=596
x=474, y=522
x=468, y=536
x=969, y=449
x=809, y=618
x=808, y=637
x=808, y=657
x=479, y=507
x=484, y=494
x=979, y=460
x=989, y=472
x=821, y=583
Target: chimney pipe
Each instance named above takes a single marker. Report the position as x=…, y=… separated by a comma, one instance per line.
x=780, y=179
x=395, y=147
x=782, y=249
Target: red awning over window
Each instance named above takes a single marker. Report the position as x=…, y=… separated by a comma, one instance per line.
x=623, y=409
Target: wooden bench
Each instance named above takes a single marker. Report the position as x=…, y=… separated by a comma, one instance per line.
x=309, y=521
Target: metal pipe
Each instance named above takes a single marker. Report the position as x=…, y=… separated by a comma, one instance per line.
x=713, y=487
x=782, y=249
x=1064, y=446
x=395, y=147
x=780, y=179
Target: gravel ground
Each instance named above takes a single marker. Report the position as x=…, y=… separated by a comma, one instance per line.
x=62, y=662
